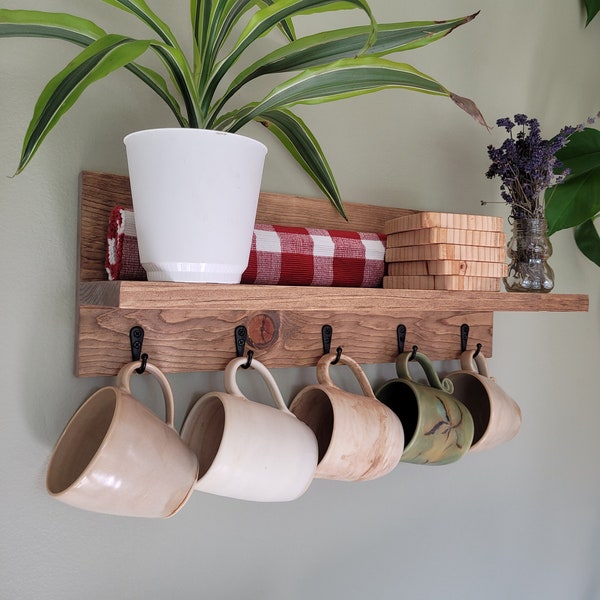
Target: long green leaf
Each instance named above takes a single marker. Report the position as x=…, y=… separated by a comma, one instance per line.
x=30, y=23
x=34, y=23
x=200, y=11
x=588, y=240
x=286, y=26
x=343, y=79
x=592, y=7
x=577, y=199
x=329, y=46
x=155, y=81
x=101, y=58
x=265, y=19
x=300, y=142
x=140, y=9
x=182, y=77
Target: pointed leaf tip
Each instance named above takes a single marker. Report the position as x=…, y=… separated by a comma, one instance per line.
x=470, y=108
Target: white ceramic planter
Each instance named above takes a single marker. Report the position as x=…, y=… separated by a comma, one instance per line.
x=195, y=193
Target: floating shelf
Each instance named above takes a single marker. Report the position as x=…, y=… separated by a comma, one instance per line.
x=190, y=327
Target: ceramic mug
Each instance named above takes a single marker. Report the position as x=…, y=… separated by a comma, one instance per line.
x=248, y=450
x=116, y=456
x=359, y=438
x=496, y=416
x=438, y=428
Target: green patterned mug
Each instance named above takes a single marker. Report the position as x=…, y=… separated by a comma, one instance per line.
x=438, y=428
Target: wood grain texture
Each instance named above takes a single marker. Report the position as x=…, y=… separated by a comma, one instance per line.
x=190, y=327
x=425, y=219
x=101, y=192
x=212, y=296
x=194, y=339
x=446, y=252
x=442, y=282
x=441, y=235
x=448, y=267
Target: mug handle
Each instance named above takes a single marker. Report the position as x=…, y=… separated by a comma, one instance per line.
x=324, y=377
x=432, y=377
x=124, y=377
x=468, y=360
x=232, y=387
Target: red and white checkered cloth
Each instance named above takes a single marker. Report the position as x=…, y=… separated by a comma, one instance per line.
x=279, y=255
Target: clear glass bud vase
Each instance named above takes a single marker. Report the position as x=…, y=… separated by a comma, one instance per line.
x=528, y=251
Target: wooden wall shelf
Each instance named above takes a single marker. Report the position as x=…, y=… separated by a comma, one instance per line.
x=190, y=327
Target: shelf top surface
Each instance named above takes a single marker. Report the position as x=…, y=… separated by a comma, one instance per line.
x=165, y=295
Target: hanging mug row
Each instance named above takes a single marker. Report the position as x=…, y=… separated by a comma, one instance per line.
x=116, y=456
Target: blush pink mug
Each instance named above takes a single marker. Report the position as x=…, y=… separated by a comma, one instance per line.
x=496, y=416
x=116, y=456
x=359, y=437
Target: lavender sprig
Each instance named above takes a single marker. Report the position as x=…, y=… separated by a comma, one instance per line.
x=527, y=164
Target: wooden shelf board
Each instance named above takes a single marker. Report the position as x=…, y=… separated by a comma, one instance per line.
x=161, y=295
x=189, y=327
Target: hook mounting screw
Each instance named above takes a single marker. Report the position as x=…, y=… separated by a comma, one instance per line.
x=401, y=337
x=326, y=336
x=136, y=339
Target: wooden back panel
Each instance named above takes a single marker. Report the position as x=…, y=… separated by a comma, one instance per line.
x=101, y=192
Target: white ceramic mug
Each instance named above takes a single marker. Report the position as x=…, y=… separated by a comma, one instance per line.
x=359, y=437
x=116, y=456
x=248, y=450
x=496, y=416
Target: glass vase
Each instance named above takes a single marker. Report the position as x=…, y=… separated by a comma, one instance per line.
x=528, y=251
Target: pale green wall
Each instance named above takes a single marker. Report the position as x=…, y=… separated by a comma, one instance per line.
x=520, y=521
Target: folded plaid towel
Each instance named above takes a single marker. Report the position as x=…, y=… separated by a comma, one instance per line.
x=279, y=255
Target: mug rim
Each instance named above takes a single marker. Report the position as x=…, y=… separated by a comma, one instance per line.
x=68, y=431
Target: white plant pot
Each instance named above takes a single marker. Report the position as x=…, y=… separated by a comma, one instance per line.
x=195, y=193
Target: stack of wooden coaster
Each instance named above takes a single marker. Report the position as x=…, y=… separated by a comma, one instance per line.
x=445, y=251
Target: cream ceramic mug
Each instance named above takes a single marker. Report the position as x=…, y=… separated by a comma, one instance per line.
x=116, y=456
x=248, y=450
x=359, y=437
x=496, y=416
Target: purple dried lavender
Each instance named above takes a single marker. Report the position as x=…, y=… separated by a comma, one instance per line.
x=526, y=164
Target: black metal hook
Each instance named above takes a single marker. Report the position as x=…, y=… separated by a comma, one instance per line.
x=413, y=354
x=241, y=335
x=249, y=361
x=464, y=340
x=136, y=339
x=338, y=355
x=464, y=337
x=401, y=337
x=326, y=336
x=142, y=368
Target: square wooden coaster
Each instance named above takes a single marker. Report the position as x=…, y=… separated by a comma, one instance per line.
x=449, y=220
x=446, y=252
x=448, y=267
x=442, y=235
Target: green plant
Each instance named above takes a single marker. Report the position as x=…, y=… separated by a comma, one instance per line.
x=591, y=9
x=576, y=201
x=330, y=65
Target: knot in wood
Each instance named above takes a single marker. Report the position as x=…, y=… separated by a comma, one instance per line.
x=262, y=330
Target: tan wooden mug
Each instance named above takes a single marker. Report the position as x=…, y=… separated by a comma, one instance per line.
x=359, y=438
x=116, y=456
x=248, y=450
x=438, y=428
x=496, y=416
